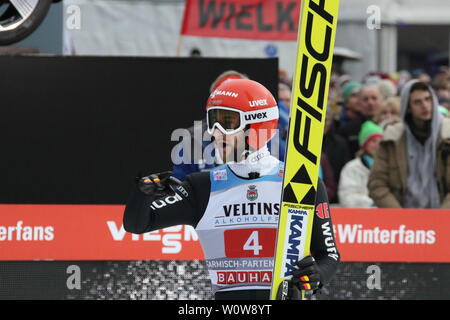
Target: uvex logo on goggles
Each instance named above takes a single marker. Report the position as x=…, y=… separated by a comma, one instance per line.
x=259, y=115
x=229, y=120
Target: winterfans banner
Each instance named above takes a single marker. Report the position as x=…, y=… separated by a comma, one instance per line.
x=95, y=232
x=245, y=19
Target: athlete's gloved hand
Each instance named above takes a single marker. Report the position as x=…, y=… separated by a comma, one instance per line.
x=307, y=276
x=157, y=183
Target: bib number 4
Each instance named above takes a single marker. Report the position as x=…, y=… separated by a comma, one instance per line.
x=252, y=243
x=241, y=243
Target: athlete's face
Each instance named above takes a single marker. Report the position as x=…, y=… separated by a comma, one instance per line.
x=230, y=146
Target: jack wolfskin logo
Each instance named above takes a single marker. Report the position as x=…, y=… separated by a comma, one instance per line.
x=220, y=175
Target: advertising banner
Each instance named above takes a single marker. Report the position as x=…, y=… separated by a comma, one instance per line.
x=95, y=232
x=244, y=19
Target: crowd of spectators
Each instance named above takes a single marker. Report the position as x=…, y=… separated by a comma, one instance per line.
x=387, y=140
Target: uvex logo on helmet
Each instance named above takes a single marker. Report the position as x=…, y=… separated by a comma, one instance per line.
x=258, y=103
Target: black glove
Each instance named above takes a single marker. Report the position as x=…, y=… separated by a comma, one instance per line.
x=156, y=184
x=307, y=276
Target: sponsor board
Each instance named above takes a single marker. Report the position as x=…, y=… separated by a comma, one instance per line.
x=392, y=235
x=246, y=19
x=95, y=232
x=87, y=232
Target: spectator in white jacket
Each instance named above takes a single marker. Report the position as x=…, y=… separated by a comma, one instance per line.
x=352, y=189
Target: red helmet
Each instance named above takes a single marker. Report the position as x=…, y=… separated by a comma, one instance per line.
x=235, y=105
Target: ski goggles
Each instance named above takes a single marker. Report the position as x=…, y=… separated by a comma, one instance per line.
x=230, y=121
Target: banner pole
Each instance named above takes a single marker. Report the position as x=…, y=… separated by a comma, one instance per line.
x=179, y=45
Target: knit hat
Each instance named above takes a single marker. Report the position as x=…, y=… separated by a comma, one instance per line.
x=443, y=110
x=350, y=88
x=369, y=130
